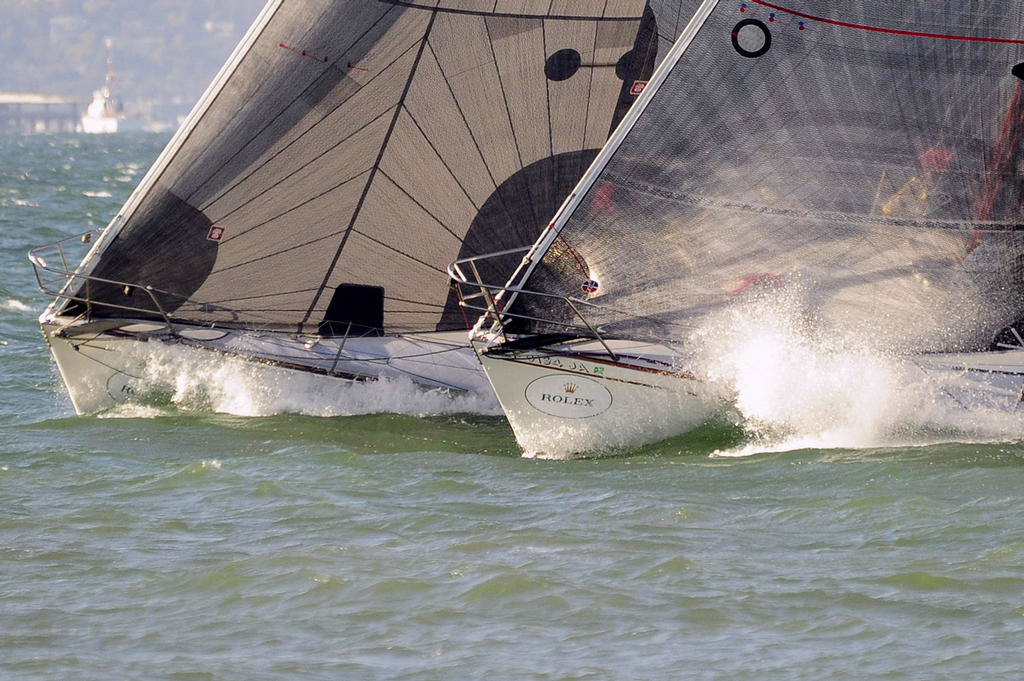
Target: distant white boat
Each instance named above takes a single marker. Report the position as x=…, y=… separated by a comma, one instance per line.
x=105, y=113
x=303, y=216
x=101, y=116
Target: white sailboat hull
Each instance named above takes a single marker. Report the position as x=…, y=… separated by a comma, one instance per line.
x=581, y=402
x=979, y=380
x=567, y=403
x=107, y=363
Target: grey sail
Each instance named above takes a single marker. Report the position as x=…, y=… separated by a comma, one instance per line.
x=866, y=153
x=353, y=148
x=852, y=171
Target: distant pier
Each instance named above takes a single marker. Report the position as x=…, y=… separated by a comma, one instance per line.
x=27, y=113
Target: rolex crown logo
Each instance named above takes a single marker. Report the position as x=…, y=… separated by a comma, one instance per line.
x=570, y=388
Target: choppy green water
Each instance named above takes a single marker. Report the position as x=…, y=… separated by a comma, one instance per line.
x=177, y=543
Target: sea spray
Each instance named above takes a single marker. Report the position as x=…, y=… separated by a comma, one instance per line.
x=796, y=383
x=197, y=380
x=791, y=381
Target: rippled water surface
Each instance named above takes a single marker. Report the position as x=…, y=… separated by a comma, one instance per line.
x=178, y=542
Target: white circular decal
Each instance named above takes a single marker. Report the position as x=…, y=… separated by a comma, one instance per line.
x=120, y=386
x=751, y=38
x=568, y=396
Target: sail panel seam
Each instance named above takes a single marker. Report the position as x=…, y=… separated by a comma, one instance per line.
x=462, y=114
x=305, y=203
x=399, y=107
x=421, y=206
x=434, y=148
x=294, y=173
x=391, y=248
x=504, y=96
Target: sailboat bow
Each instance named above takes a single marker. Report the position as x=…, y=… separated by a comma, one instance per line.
x=850, y=174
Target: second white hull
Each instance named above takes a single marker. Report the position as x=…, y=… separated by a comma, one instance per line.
x=566, y=400
x=979, y=381
x=564, y=404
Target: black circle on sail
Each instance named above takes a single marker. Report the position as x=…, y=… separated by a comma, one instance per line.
x=563, y=65
x=751, y=38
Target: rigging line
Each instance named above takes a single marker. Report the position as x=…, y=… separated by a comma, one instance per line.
x=836, y=216
x=579, y=261
x=399, y=107
x=391, y=358
x=895, y=31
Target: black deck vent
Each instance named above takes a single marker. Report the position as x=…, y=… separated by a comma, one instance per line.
x=355, y=310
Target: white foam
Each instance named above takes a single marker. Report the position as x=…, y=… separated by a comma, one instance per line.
x=204, y=381
x=16, y=306
x=131, y=410
x=797, y=386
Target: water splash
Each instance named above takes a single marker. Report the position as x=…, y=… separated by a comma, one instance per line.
x=195, y=380
x=795, y=385
x=15, y=306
